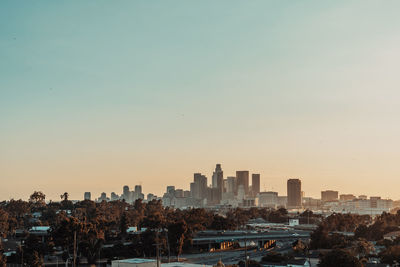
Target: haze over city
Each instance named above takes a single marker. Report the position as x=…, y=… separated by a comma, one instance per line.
x=97, y=95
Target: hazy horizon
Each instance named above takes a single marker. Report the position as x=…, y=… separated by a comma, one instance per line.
x=97, y=95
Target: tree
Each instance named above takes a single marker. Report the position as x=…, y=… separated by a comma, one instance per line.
x=123, y=224
x=299, y=247
x=91, y=244
x=339, y=257
x=37, y=199
x=33, y=251
x=65, y=202
x=275, y=257
x=3, y=223
x=390, y=255
x=63, y=232
x=64, y=197
x=35, y=260
x=176, y=236
x=221, y=223
x=363, y=248
x=3, y=259
x=16, y=210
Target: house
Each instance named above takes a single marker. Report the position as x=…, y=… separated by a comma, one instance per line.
x=392, y=235
x=298, y=263
x=273, y=264
x=39, y=230
x=290, y=263
x=376, y=265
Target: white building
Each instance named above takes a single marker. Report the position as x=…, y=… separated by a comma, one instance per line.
x=268, y=199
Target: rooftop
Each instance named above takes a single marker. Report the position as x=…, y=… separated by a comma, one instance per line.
x=137, y=260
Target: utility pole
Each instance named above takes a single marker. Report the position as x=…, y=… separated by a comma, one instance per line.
x=21, y=246
x=169, y=251
x=245, y=251
x=157, y=244
x=158, y=255
x=74, y=263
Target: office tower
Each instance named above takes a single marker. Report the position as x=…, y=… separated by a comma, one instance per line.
x=87, y=196
x=114, y=196
x=294, y=193
x=374, y=201
x=218, y=177
x=103, y=197
x=179, y=193
x=268, y=199
x=186, y=193
x=170, y=189
x=214, y=196
x=218, y=183
x=137, y=194
x=125, y=193
x=243, y=179
x=138, y=189
x=231, y=185
x=282, y=201
x=347, y=197
x=150, y=197
x=329, y=195
x=200, y=186
x=193, y=190
x=241, y=192
x=255, y=184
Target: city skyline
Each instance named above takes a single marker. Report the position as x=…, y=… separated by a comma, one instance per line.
x=55, y=196
x=98, y=95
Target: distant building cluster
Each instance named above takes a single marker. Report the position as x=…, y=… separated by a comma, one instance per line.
x=236, y=191
x=127, y=195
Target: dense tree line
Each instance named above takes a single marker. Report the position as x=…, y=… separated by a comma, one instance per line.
x=331, y=234
x=94, y=224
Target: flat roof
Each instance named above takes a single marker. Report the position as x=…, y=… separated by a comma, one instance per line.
x=136, y=260
x=183, y=264
x=40, y=228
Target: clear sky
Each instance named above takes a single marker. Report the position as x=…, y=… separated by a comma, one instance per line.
x=98, y=94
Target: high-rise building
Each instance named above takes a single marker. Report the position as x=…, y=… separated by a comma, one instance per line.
x=179, y=193
x=218, y=183
x=294, y=193
x=255, y=184
x=103, y=197
x=218, y=177
x=268, y=199
x=171, y=189
x=241, y=193
x=138, y=189
x=231, y=185
x=199, y=187
x=347, y=197
x=114, y=196
x=374, y=201
x=136, y=194
x=186, y=193
x=243, y=179
x=87, y=196
x=150, y=197
x=125, y=193
x=329, y=195
x=193, y=190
